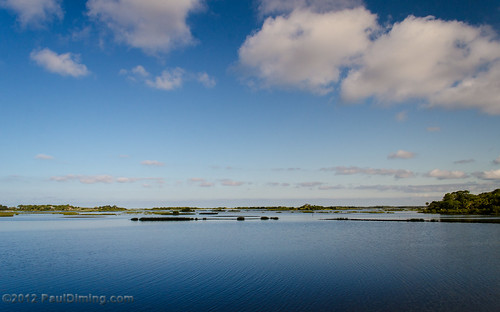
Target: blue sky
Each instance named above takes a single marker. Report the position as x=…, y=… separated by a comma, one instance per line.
x=262, y=102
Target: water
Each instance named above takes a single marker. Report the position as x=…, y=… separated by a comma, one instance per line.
x=297, y=263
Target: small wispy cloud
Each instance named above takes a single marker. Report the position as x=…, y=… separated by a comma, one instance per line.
x=206, y=80
x=135, y=74
x=497, y=161
x=488, y=175
x=201, y=182
x=274, y=184
x=396, y=173
x=154, y=163
x=288, y=169
x=44, y=156
x=169, y=79
x=103, y=178
x=132, y=180
x=222, y=167
x=427, y=188
x=224, y=182
x=34, y=13
x=309, y=184
x=401, y=154
x=197, y=180
x=402, y=116
x=464, y=161
x=66, y=64
x=433, y=129
x=140, y=70
x=85, y=179
x=331, y=187
x=229, y=182
x=446, y=175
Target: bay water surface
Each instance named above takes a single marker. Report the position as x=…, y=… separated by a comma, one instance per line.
x=297, y=263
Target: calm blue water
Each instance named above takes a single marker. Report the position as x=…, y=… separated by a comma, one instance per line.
x=297, y=263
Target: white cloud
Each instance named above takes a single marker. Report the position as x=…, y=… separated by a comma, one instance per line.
x=445, y=174
x=66, y=64
x=136, y=73
x=34, y=13
x=44, y=156
x=436, y=63
x=286, y=6
x=168, y=80
x=155, y=163
x=140, y=70
x=151, y=25
x=206, y=80
x=307, y=49
x=489, y=175
x=401, y=155
x=443, y=63
x=396, y=173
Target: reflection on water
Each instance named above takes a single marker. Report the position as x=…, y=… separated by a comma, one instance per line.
x=296, y=263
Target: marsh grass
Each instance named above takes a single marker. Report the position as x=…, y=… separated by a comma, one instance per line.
x=7, y=214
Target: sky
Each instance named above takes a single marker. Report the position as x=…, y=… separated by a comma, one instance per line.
x=214, y=103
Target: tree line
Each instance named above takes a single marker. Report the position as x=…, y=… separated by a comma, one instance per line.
x=463, y=202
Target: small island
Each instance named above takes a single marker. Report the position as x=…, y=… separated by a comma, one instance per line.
x=465, y=203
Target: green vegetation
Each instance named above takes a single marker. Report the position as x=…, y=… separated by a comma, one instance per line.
x=32, y=208
x=318, y=208
x=7, y=214
x=47, y=207
x=463, y=202
x=108, y=208
x=69, y=213
x=306, y=208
